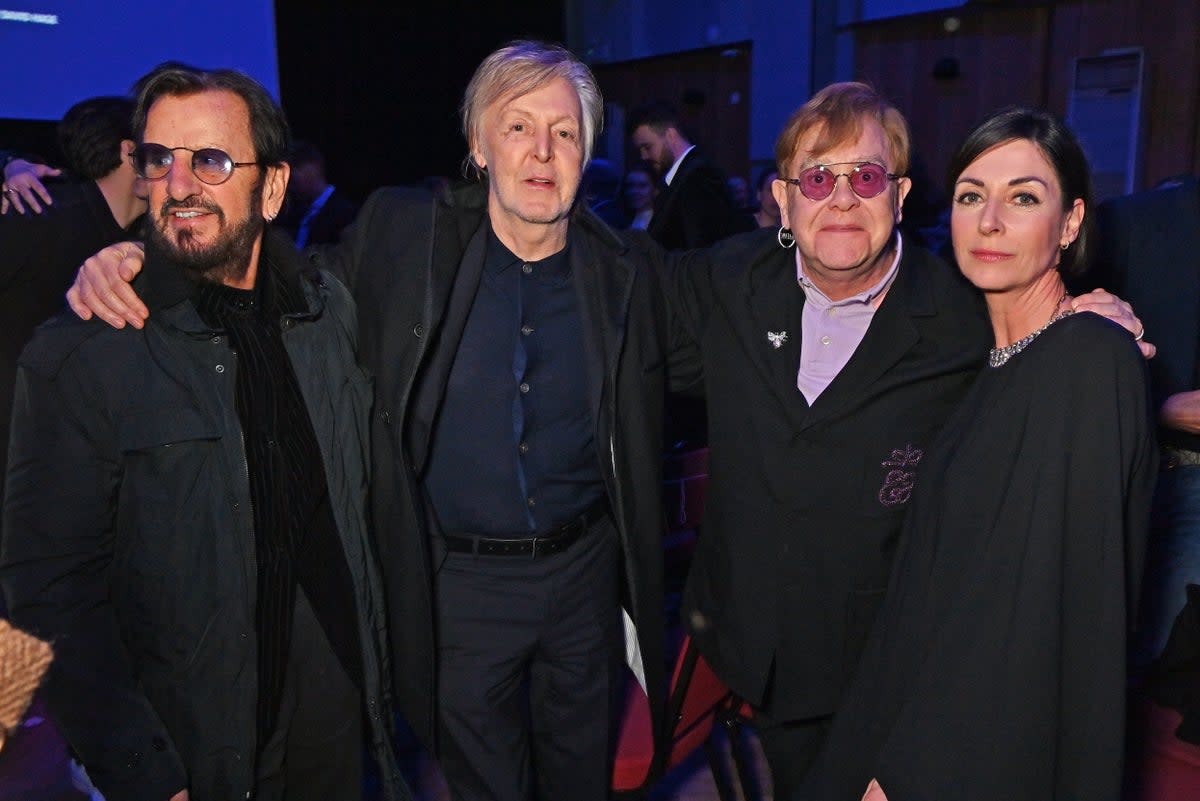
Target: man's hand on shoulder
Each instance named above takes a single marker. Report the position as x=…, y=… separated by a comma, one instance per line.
x=23, y=186
x=1106, y=304
x=102, y=286
x=182, y=795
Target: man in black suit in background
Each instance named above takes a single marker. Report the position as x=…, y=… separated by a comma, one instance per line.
x=316, y=212
x=40, y=252
x=695, y=209
x=1150, y=254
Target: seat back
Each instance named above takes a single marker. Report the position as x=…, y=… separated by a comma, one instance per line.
x=695, y=696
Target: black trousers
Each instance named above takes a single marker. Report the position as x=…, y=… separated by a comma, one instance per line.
x=315, y=752
x=791, y=747
x=526, y=656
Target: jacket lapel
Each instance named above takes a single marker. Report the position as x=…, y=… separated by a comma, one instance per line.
x=604, y=285
x=890, y=335
x=669, y=194
x=455, y=269
x=774, y=303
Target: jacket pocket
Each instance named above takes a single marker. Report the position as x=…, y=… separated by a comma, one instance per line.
x=143, y=429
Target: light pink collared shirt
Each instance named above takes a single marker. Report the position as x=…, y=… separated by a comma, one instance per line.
x=832, y=330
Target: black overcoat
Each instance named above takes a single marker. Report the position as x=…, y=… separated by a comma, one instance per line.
x=129, y=535
x=805, y=503
x=401, y=258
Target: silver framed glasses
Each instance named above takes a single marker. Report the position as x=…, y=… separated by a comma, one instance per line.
x=867, y=179
x=212, y=166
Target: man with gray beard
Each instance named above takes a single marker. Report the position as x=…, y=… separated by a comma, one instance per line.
x=185, y=516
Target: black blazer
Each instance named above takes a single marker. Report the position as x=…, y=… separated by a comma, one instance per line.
x=695, y=209
x=803, y=507
x=406, y=258
x=1149, y=254
x=327, y=226
x=39, y=254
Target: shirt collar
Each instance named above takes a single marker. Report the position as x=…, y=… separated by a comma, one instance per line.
x=499, y=259
x=820, y=299
x=670, y=176
x=315, y=207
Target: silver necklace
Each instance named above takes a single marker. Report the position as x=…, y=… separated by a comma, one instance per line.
x=998, y=357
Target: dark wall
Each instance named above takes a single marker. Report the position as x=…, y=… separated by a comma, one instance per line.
x=377, y=86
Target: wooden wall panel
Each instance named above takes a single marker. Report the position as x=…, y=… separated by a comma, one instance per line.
x=717, y=75
x=1169, y=33
x=1024, y=54
x=1000, y=56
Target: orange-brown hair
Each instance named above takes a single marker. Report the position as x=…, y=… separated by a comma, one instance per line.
x=837, y=112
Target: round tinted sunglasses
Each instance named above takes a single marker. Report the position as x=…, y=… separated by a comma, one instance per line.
x=867, y=179
x=152, y=162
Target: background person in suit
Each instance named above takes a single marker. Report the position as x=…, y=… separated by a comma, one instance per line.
x=1149, y=252
x=694, y=209
x=40, y=252
x=316, y=212
x=639, y=190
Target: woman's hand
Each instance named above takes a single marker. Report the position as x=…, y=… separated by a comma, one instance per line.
x=23, y=186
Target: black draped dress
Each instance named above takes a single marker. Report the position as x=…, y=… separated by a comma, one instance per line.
x=996, y=667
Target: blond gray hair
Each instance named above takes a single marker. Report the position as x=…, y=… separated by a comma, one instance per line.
x=522, y=67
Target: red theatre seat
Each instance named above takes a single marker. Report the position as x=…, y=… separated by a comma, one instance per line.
x=696, y=696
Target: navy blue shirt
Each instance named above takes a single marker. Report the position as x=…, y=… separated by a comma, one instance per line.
x=513, y=452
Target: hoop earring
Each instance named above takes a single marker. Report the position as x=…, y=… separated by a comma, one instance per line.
x=1064, y=245
x=785, y=237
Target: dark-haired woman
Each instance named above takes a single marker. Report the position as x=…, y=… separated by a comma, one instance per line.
x=996, y=668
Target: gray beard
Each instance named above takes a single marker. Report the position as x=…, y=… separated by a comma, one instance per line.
x=226, y=260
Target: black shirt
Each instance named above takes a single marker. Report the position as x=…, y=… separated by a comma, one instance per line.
x=513, y=450
x=295, y=536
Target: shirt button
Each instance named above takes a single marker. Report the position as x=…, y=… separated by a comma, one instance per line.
x=220, y=368
x=527, y=268
x=825, y=340
x=419, y=330
x=216, y=340
x=527, y=329
x=532, y=502
x=523, y=447
x=524, y=387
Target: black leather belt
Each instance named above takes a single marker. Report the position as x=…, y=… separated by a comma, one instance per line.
x=1178, y=457
x=553, y=542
